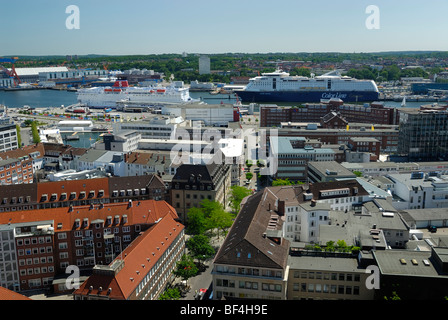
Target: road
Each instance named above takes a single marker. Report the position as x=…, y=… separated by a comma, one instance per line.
x=204, y=279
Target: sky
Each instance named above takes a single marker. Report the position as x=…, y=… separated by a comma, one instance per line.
x=126, y=27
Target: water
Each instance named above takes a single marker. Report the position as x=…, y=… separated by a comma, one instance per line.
x=56, y=98
x=37, y=98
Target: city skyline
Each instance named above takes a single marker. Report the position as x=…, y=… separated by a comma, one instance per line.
x=199, y=26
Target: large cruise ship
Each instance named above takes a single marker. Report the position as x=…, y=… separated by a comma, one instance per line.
x=279, y=86
x=101, y=97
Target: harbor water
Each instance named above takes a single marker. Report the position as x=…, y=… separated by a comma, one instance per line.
x=57, y=98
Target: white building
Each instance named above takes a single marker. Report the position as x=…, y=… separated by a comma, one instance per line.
x=8, y=137
x=154, y=128
x=112, y=161
x=419, y=190
x=210, y=114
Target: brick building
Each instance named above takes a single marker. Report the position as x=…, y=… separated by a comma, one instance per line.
x=38, y=245
x=44, y=195
x=18, y=166
x=375, y=113
x=142, y=270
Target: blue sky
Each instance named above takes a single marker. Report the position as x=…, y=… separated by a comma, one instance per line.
x=208, y=26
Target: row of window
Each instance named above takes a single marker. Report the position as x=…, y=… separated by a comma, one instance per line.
x=327, y=276
x=251, y=285
x=249, y=271
x=325, y=288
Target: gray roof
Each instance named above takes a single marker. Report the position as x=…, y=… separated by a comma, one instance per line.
x=283, y=145
x=247, y=243
x=92, y=155
x=333, y=166
x=333, y=264
x=389, y=263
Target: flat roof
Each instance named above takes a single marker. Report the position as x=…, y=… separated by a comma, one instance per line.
x=331, y=264
x=390, y=263
x=333, y=166
x=283, y=145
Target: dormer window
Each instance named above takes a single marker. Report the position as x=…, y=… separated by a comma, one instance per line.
x=72, y=195
x=44, y=198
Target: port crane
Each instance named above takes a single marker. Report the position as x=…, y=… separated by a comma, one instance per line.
x=11, y=73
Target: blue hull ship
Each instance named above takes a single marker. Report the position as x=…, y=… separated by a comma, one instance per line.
x=304, y=96
x=279, y=86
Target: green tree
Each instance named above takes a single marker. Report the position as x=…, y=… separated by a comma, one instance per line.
x=282, y=182
x=196, y=221
x=220, y=219
x=19, y=136
x=35, y=132
x=249, y=175
x=185, y=268
x=341, y=246
x=170, y=294
x=199, y=247
x=358, y=173
x=237, y=195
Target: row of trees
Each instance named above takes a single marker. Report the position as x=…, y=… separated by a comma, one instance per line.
x=202, y=223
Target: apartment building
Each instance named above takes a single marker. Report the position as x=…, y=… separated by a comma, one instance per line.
x=44, y=195
x=142, y=270
x=38, y=245
x=18, y=166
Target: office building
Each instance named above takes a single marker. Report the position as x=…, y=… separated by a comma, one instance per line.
x=424, y=134
x=204, y=64
x=8, y=137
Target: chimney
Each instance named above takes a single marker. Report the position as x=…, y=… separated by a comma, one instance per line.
x=313, y=202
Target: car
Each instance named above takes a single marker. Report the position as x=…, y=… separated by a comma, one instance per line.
x=432, y=229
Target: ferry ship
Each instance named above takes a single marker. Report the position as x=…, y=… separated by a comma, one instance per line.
x=279, y=86
x=103, y=97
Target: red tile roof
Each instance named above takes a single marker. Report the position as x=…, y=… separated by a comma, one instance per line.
x=139, y=257
x=141, y=212
x=86, y=185
x=6, y=294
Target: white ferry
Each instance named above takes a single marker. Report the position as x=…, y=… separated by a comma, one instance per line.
x=101, y=97
x=279, y=86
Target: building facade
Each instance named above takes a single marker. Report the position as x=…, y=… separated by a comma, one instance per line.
x=38, y=245
x=8, y=137
x=194, y=183
x=143, y=270
x=424, y=134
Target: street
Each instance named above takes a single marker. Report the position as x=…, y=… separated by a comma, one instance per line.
x=204, y=279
